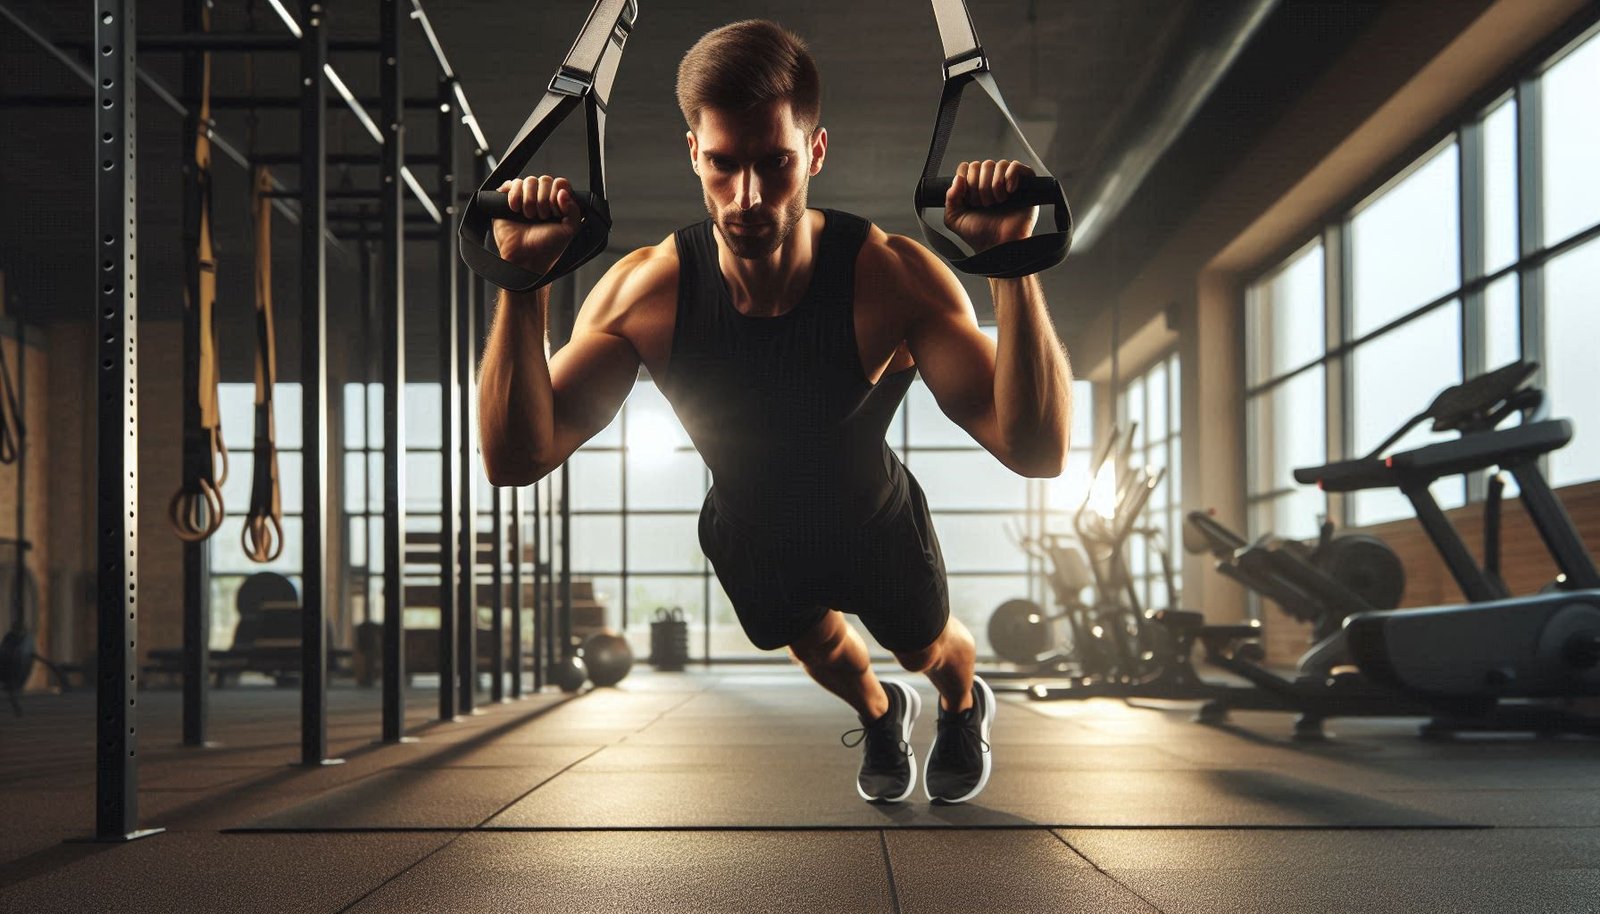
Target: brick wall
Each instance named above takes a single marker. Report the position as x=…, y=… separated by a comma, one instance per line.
x=160, y=468
x=34, y=403
x=66, y=494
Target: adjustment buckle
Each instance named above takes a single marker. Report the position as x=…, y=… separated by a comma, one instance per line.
x=568, y=81
x=973, y=61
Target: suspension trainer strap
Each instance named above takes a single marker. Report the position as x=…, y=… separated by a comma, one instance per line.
x=966, y=63
x=584, y=78
x=196, y=508
x=263, y=525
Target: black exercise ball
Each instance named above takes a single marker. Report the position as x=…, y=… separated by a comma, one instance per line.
x=608, y=656
x=569, y=673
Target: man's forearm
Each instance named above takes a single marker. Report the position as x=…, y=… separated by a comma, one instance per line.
x=516, y=408
x=1032, y=379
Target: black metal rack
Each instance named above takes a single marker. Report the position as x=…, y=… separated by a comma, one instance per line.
x=305, y=35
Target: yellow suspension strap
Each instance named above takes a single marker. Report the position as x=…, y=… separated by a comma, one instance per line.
x=196, y=508
x=263, y=526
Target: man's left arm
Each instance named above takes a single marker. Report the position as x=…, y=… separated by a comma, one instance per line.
x=1032, y=378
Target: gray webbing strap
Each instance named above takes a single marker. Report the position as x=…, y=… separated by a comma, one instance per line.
x=584, y=78
x=965, y=62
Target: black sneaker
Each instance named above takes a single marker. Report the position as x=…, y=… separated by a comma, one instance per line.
x=888, y=766
x=958, y=761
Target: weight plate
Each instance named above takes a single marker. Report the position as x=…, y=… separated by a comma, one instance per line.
x=1019, y=631
x=1366, y=565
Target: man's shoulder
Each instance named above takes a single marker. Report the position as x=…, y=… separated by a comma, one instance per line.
x=641, y=274
x=887, y=258
x=902, y=271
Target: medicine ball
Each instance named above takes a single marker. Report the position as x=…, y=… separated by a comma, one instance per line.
x=608, y=657
x=569, y=673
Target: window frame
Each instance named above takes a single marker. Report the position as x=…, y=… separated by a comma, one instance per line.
x=1521, y=87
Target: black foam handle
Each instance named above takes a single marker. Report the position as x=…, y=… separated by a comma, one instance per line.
x=477, y=227
x=493, y=205
x=1031, y=191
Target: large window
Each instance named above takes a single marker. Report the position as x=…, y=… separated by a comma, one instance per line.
x=638, y=486
x=636, y=492
x=1286, y=414
x=362, y=485
x=1469, y=258
x=1150, y=404
x=229, y=566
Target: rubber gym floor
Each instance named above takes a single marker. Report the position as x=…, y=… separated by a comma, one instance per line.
x=727, y=790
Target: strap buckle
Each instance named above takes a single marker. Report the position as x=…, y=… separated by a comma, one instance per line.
x=575, y=83
x=973, y=61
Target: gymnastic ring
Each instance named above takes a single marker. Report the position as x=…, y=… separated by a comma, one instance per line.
x=185, y=511
x=262, y=538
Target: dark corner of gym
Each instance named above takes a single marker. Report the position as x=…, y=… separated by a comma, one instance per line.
x=757, y=457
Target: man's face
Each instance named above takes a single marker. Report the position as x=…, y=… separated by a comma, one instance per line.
x=754, y=168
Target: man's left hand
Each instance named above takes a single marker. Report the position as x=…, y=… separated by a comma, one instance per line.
x=975, y=206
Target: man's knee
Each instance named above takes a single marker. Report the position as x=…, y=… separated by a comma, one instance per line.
x=918, y=661
x=822, y=642
x=952, y=640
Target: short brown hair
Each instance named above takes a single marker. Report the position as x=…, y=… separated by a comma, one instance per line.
x=745, y=65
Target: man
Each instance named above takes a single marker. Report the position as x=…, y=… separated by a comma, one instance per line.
x=784, y=338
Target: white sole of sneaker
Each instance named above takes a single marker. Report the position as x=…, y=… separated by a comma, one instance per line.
x=914, y=702
x=987, y=697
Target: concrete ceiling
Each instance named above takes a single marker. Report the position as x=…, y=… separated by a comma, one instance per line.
x=1082, y=60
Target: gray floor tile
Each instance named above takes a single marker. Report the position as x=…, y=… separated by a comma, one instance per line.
x=791, y=795
x=495, y=754
x=1013, y=871
x=1434, y=890
x=695, y=873
x=420, y=797
x=1541, y=808
x=1374, y=851
x=302, y=874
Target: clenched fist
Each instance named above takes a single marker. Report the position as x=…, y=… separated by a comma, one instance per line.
x=549, y=204
x=974, y=207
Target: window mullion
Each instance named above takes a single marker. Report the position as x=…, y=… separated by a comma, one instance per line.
x=1337, y=421
x=1530, y=216
x=1470, y=237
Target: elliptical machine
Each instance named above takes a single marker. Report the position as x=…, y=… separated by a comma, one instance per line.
x=1035, y=639
x=1100, y=639
x=1133, y=652
x=1323, y=584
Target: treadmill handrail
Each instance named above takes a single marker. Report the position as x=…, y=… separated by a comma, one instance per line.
x=1503, y=447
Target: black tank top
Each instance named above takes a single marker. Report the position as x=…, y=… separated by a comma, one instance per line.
x=780, y=407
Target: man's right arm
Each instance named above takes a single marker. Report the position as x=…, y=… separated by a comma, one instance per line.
x=534, y=412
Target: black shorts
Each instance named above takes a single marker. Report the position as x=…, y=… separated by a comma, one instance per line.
x=889, y=572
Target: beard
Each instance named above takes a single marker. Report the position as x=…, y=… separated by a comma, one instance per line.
x=761, y=243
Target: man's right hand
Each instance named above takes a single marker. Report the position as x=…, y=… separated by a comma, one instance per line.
x=553, y=210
